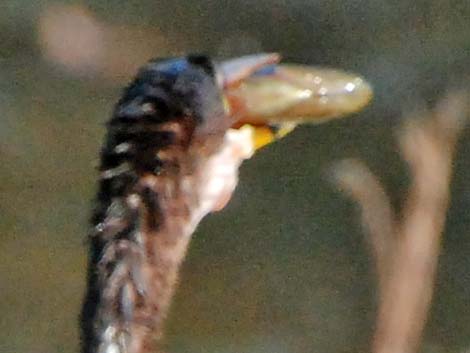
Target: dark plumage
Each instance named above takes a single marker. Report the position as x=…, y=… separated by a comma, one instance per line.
x=152, y=126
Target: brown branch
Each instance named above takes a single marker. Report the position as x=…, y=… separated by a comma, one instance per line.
x=406, y=252
x=378, y=217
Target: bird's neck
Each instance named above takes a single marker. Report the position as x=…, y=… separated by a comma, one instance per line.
x=157, y=183
x=141, y=229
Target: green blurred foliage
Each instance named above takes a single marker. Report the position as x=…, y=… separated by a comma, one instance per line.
x=284, y=268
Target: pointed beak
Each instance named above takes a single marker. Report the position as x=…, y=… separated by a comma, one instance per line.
x=273, y=98
x=233, y=72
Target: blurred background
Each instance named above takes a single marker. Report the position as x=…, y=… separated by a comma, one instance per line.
x=284, y=268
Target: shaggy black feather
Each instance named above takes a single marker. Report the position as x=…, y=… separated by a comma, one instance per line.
x=161, y=92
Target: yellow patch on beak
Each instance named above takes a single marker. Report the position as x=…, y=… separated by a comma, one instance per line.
x=264, y=134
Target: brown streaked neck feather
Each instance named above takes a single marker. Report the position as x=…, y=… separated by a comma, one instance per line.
x=152, y=165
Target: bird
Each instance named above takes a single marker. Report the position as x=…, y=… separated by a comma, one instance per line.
x=171, y=154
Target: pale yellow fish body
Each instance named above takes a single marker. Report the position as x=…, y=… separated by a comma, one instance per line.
x=301, y=94
x=296, y=94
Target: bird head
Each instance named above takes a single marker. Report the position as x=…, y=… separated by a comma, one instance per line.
x=218, y=113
